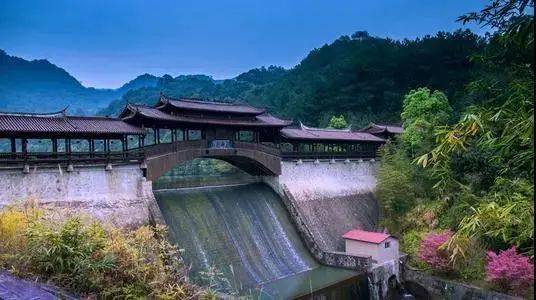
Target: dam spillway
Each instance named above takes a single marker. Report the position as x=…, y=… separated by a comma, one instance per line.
x=244, y=232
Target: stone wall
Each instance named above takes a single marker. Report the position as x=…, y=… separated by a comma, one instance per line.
x=333, y=197
x=439, y=288
x=120, y=196
x=328, y=258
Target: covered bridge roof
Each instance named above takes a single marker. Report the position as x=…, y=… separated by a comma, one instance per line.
x=326, y=134
x=207, y=106
x=60, y=123
x=384, y=128
x=133, y=111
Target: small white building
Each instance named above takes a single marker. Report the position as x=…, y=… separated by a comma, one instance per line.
x=382, y=247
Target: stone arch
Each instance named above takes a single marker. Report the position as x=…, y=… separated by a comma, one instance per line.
x=252, y=161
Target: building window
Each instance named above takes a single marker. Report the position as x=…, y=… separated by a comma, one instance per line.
x=5, y=145
x=150, y=138
x=98, y=145
x=165, y=135
x=116, y=145
x=245, y=135
x=194, y=135
x=39, y=145
x=79, y=145
x=387, y=244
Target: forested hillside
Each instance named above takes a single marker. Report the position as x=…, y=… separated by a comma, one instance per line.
x=360, y=76
x=467, y=210
x=41, y=86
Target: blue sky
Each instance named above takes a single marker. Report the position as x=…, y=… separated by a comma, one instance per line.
x=107, y=43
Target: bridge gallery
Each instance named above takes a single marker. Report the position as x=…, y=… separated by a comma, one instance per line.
x=179, y=129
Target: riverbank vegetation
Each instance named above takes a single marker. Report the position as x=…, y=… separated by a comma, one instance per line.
x=468, y=179
x=91, y=260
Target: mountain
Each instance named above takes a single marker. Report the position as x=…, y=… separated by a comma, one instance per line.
x=142, y=81
x=361, y=77
x=199, y=86
x=41, y=86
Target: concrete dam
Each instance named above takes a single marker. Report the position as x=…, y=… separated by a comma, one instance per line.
x=245, y=232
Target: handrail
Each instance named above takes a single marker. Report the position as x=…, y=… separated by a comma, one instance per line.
x=159, y=149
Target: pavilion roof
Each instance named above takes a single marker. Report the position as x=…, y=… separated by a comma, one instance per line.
x=208, y=106
x=381, y=128
x=60, y=123
x=325, y=134
x=265, y=119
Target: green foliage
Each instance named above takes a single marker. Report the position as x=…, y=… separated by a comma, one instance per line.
x=362, y=77
x=394, y=175
x=88, y=259
x=503, y=217
x=422, y=112
x=409, y=244
x=338, y=122
x=66, y=253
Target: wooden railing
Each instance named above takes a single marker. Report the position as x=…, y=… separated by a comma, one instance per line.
x=258, y=147
x=159, y=149
x=164, y=148
x=74, y=157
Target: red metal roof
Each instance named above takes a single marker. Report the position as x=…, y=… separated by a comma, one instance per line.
x=202, y=105
x=47, y=124
x=310, y=133
x=366, y=236
x=153, y=113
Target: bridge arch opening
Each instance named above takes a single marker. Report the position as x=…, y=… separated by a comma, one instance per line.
x=203, y=172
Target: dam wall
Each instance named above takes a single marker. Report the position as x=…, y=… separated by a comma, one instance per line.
x=332, y=197
x=120, y=196
x=245, y=233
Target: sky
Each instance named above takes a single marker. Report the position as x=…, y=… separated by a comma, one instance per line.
x=107, y=43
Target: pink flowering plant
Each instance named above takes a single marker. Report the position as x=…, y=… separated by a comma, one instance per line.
x=510, y=271
x=431, y=252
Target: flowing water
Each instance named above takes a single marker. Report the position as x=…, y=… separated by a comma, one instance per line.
x=244, y=232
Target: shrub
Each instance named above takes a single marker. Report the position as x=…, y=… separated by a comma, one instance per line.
x=472, y=266
x=409, y=244
x=510, y=271
x=91, y=260
x=433, y=254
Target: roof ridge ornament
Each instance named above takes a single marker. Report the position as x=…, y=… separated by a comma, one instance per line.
x=58, y=113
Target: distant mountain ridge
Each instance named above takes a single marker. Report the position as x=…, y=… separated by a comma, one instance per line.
x=41, y=86
x=360, y=76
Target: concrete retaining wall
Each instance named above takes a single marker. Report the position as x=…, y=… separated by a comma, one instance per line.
x=333, y=197
x=438, y=288
x=328, y=258
x=120, y=196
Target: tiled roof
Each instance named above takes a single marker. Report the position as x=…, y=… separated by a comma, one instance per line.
x=153, y=113
x=202, y=105
x=379, y=128
x=310, y=133
x=47, y=124
x=366, y=236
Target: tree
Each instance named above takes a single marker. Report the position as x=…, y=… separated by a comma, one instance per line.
x=337, y=122
x=422, y=112
x=502, y=127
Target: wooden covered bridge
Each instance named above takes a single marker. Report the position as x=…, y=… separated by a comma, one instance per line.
x=173, y=131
